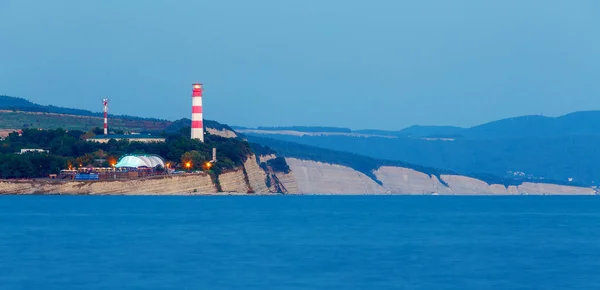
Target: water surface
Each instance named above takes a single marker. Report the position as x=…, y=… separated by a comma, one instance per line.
x=300, y=242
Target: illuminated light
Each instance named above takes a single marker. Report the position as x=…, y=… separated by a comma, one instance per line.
x=188, y=164
x=197, y=86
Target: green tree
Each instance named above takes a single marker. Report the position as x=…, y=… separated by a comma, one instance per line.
x=194, y=159
x=87, y=135
x=100, y=153
x=279, y=165
x=85, y=160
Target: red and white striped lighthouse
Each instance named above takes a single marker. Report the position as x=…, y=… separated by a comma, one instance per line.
x=197, y=126
x=105, y=103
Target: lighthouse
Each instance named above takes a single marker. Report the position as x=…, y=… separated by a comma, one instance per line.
x=197, y=125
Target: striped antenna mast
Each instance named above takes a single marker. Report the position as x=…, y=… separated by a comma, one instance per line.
x=105, y=103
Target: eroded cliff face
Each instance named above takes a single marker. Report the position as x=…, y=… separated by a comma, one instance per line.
x=284, y=183
x=317, y=177
x=176, y=184
x=233, y=181
x=409, y=181
x=249, y=179
x=544, y=188
x=243, y=180
x=306, y=177
x=256, y=176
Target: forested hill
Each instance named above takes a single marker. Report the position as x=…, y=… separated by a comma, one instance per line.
x=70, y=149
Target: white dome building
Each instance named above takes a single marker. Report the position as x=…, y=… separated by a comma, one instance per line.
x=140, y=160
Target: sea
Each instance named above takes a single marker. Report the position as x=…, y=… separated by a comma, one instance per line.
x=299, y=242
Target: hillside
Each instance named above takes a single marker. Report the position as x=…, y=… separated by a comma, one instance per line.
x=176, y=126
x=18, y=113
x=44, y=120
x=20, y=104
x=70, y=148
x=368, y=165
x=560, y=158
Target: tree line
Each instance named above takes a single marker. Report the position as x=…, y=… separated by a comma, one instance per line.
x=70, y=149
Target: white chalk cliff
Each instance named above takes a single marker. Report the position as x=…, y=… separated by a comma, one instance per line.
x=306, y=177
x=318, y=177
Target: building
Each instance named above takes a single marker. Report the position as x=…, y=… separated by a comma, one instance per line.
x=128, y=167
x=130, y=138
x=140, y=160
x=33, y=150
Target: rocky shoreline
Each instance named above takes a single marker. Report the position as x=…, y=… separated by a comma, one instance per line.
x=306, y=178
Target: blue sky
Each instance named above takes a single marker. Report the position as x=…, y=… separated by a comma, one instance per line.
x=383, y=64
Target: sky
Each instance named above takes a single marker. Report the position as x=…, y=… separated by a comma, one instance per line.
x=360, y=64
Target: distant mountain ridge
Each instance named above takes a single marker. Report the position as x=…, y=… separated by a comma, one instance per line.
x=573, y=124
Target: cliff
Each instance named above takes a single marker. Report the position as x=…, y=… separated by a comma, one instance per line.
x=176, y=184
x=318, y=177
x=233, y=181
x=256, y=176
x=249, y=178
x=306, y=177
x=284, y=183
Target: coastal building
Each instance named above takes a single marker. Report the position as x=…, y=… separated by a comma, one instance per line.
x=130, y=166
x=131, y=138
x=140, y=160
x=33, y=150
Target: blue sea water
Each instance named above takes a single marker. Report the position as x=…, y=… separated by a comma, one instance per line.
x=299, y=242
